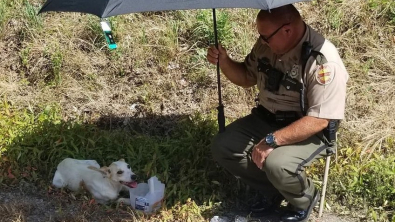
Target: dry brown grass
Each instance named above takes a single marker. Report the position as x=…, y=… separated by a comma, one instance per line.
x=150, y=69
x=153, y=71
x=367, y=44
x=12, y=213
x=160, y=68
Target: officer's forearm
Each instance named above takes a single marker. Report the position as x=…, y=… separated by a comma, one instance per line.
x=236, y=72
x=300, y=130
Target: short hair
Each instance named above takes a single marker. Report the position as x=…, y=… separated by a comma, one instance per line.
x=280, y=15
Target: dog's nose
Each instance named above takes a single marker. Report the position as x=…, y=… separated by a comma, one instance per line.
x=134, y=177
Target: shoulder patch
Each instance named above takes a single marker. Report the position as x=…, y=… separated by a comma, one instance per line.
x=324, y=75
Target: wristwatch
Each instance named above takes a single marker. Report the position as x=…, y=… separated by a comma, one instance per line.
x=270, y=140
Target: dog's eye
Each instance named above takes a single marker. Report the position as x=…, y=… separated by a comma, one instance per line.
x=109, y=171
x=120, y=172
x=128, y=166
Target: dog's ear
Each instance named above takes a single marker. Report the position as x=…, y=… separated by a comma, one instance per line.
x=102, y=170
x=123, y=160
x=106, y=170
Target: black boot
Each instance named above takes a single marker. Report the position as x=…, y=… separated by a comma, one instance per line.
x=301, y=215
x=266, y=206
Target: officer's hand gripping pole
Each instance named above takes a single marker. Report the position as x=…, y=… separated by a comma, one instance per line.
x=220, y=108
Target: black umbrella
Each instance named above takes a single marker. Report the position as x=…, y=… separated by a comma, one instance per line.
x=107, y=8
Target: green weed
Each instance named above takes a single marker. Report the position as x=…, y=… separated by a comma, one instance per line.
x=144, y=38
x=38, y=140
x=25, y=56
x=364, y=184
x=384, y=7
x=55, y=56
x=34, y=20
x=95, y=33
x=3, y=15
x=203, y=30
x=57, y=59
x=335, y=18
x=172, y=33
x=375, y=181
x=200, y=72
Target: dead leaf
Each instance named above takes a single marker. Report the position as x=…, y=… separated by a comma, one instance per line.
x=10, y=175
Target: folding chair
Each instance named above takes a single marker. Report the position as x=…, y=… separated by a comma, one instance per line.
x=330, y=140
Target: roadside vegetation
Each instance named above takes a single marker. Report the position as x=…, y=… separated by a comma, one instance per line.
x=153, y=101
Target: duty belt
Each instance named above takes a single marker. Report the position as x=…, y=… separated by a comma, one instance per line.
x=280, y=118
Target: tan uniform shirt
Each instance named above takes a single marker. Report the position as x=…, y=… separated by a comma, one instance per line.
x=325, y=85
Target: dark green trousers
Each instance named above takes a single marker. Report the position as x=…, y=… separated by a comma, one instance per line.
x=284, y=169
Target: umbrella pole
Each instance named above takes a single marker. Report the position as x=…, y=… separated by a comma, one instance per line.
x=220, y=108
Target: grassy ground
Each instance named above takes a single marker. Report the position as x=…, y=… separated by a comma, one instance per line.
x=152, y=101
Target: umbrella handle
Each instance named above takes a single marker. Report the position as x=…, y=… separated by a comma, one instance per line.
x=220, y=108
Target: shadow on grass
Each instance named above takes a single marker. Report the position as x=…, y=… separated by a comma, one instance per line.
x=174, y=148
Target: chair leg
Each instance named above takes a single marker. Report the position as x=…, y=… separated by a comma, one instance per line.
x=325, y=181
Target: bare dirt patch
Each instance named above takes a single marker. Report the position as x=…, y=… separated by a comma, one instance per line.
x=33, y=204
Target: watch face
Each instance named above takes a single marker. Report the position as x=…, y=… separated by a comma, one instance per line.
x=269, y=139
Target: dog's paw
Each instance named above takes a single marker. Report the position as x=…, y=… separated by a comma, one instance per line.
x=124, y=201
x=58, y=180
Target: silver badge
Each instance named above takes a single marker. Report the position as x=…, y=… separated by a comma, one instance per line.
x=294, y=71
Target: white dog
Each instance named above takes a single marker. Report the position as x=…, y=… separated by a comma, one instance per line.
x=103, y=183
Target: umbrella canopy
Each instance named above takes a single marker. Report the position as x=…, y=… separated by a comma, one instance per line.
x=107, y=8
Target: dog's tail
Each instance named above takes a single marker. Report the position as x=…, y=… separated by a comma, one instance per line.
x=58, y=180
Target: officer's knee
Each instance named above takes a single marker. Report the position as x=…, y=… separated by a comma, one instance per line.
x=275, y=171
